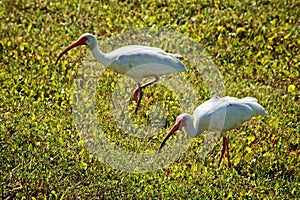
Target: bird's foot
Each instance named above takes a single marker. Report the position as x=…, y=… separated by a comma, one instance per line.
x=229, y=165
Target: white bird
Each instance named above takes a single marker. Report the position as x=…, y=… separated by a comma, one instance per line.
x=135, y=61
x=217, y=114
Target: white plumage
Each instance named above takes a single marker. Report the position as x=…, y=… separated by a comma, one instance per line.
x=220, y=115
x=135, y=61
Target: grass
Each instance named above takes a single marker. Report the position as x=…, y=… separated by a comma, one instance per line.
x=255, y=46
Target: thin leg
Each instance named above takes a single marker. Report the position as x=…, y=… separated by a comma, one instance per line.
x=140, y=90
x=222, y=151
x=137, y=90
x=227, y=152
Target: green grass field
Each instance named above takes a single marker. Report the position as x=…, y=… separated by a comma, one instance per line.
x=254, y=44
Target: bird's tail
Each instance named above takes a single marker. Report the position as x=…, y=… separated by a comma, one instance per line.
x=257, y=108
x=176, y=55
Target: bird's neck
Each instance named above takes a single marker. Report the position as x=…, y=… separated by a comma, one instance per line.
x=100, y=56
x=191, y=130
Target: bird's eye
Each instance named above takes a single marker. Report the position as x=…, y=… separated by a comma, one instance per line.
x=182, y=121
x=83, y=40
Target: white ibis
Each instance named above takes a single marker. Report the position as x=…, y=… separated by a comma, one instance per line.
x=217, y=114
x=135, y=61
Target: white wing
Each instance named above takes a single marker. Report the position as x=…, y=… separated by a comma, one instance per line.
x=136, y=48
x=138, y=62
x=223, y=114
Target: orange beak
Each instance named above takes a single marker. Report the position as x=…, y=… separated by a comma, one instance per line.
x=80, y=41
x=170, y=133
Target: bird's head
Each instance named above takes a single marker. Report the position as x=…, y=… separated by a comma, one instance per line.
x=182, y=121
x=85, y=39
x=89, y=40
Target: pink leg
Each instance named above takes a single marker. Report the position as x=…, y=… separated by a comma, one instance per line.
x=222, y=151
x=138, y=89
x=227, y=152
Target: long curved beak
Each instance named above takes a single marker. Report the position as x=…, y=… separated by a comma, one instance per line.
x=75, y=44
x=170, y=133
